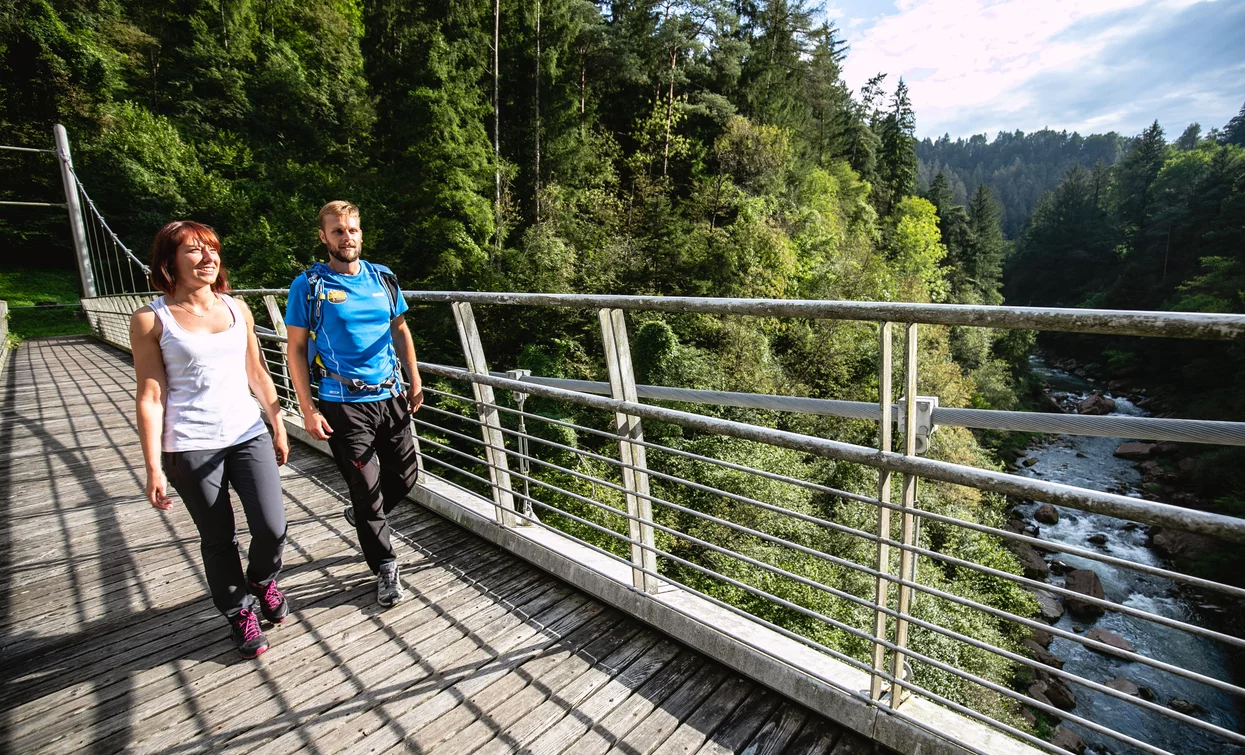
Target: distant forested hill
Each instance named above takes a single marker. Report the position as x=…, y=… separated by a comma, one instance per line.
x=1018, y=167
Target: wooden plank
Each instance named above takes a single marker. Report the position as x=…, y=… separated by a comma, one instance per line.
x=662, y=721
x=492, y=711
x=586, y=710
x=692, y=733
x=817, y=738
x=777, y=732
x=737, y=731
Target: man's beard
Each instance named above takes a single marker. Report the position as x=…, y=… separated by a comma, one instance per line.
x=345, y=256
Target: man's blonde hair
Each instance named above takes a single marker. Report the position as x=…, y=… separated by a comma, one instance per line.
x=337, y=208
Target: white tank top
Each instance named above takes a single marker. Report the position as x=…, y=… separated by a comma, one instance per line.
x=209, y=403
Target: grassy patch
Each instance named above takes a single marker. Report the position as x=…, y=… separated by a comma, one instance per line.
x=36, y=297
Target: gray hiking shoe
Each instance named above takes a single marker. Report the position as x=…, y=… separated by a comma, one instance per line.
x=349, y=514
x=389, y=590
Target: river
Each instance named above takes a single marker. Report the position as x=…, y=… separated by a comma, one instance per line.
x=1089, y=462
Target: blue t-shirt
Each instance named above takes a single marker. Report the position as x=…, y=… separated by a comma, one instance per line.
x=352, y=338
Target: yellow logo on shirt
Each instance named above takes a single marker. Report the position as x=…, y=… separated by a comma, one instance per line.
x=336, y=297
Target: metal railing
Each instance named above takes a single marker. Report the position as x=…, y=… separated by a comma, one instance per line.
x=842, y=569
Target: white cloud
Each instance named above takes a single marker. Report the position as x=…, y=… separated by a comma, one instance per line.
x=962, y=56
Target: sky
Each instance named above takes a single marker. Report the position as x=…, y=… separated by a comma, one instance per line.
x=984, y=66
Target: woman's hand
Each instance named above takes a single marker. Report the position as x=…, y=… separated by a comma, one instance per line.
x=280, y=443
x=156, y=486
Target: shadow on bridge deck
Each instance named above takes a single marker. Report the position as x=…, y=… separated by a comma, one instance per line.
x=108, y=641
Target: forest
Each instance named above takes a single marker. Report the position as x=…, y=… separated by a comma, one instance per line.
x=682, y=147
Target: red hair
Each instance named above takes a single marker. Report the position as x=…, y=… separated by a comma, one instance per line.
x=164, y=249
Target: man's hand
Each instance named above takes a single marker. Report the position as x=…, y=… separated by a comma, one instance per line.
x=317, y=426
x=416, y=398
x=156, y=485
x=280, y=444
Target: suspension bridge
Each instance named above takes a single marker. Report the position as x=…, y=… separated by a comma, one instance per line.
x=563, y=602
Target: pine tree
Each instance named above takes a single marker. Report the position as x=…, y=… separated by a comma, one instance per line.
x=897, y=155
x=1234, y=132
x=1188, y=139
x=1136, y=176
x=985, y=257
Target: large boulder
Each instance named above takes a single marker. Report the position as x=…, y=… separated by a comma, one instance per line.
x=1042, y=655
x=1065, y=739
x=1047, y=514
x=1049, y=606
x=1042, y=637
x=1086, y=582
x=1109, y=638
x=1125, y=686
x=1096, y=403
x=1178, y=543
x=1059, y=694
x=1135, y=450
x=1034, y=565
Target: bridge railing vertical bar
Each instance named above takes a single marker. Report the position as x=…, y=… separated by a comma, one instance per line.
x=499, y=472
x=882, y=564
x=907, y=562
x=77, y=230
x=635, y=476
x=278, y=324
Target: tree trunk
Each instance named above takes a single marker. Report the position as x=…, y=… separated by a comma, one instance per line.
x=665, y=158
x=497, y=123
x=537, y=111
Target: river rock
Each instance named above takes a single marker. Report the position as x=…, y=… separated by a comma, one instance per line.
x=1125, y=686
x=1096, y=403
x=1066, y=739
x=1134, y=450
x=1042, y=655
x=1187, y=465
x=1049, y=606
x=1085, y=582
x=1178, y=543
x=1030, y=461
x=1035, y=567
x=1043, y=637
x=1109, y=638
x=1047, y=514
x=1059, y=694
x=1098, y=539
x=1180, y=705
x=1050, y=404
x=1151, y=470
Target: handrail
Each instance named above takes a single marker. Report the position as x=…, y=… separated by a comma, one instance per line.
x=1227, y=327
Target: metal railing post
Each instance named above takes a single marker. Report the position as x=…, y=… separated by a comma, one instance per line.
x=907, y=559
x=525, y=465
x=494, y=440
x=278, y=324
x=77, y=229
x=885, y=439
x=635, y=476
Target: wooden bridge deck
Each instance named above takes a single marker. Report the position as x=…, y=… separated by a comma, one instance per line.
x=109, y=643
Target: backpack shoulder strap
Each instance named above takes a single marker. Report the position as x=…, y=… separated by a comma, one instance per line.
x=315, y=295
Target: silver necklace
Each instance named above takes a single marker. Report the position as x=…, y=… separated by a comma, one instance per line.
x=196, y=314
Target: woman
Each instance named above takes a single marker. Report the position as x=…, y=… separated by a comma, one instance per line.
x=195, y=355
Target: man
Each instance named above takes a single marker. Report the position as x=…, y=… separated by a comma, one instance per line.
x=349, y=313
